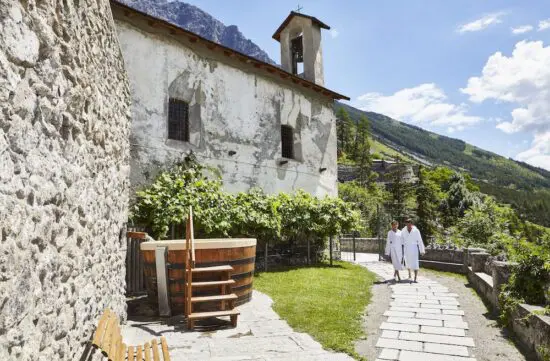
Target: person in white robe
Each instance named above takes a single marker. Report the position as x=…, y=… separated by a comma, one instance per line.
x=413, y=246
x=394, y=248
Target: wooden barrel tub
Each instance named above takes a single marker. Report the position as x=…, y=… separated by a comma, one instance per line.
x=240, y=253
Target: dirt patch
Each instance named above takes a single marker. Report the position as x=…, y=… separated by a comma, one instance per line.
x=373, y=318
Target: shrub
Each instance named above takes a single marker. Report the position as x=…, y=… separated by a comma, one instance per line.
x=282, y=217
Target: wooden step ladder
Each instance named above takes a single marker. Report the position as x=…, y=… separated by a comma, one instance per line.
x=224, y=299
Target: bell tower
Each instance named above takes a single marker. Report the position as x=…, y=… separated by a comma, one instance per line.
x=301, y=51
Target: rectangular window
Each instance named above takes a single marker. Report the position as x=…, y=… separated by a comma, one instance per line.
x=287, y=141
x=178, y=120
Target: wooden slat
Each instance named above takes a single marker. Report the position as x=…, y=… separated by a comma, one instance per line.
x=147, y=351
x=200, y=315
x=102, y=325
x=121, y=355
x=165, y=354
x=229, y=297
x=213, y=283
x=155, y=348
x=114, y=346
x=108, y=338
x=136, y=235
x=139, y=356
x=224, y=268
x=130, y=353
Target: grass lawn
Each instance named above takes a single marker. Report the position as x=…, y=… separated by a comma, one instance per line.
x=325, y=302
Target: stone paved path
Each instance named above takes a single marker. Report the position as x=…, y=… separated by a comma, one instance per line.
x=424, y=321
x=261, y=335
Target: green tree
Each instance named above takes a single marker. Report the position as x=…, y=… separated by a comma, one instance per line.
x=458, y=199
x=401, y=190
x=426, y=205
x=361, y=154
x=345, y=129
x=366, y=200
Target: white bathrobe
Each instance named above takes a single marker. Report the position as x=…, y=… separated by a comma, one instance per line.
x=413, y=245
x=394, y=249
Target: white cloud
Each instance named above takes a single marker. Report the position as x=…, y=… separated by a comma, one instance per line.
x=539, y=153
x=482, y=23
x=424, y=104
x=334, y=33
x=522, y=29
x=544, y=24
x=521, y=79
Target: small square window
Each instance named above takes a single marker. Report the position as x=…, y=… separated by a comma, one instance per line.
x=178, y=120
x=287, y=141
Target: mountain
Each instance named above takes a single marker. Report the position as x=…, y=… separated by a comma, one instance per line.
x=201, y=23
x=525, y=187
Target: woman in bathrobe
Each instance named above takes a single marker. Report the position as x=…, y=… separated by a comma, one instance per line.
x=413, y=245
x=394, y=248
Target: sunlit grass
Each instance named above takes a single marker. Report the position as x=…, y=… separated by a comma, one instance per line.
x=325, y=302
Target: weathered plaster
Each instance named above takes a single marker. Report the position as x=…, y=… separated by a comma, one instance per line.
x=234, y=110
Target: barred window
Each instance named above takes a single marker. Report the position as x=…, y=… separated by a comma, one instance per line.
x=287, y=141
x=178, y=120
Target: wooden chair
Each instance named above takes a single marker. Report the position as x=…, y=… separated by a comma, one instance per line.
x=108, y=339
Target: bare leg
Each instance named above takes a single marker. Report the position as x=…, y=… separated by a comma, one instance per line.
x=415, y=274
x=398, y=277
x=409, y=272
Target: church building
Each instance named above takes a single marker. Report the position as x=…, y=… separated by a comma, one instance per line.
x=261, y=125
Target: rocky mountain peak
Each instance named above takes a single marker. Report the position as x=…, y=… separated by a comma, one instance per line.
x=200, y=22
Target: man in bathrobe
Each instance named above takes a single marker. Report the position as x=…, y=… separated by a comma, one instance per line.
x=394, y=248
x=413, y=245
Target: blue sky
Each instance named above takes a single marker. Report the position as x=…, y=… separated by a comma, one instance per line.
x=474, y=70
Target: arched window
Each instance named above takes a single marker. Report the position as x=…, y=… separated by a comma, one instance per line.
x=178, y=120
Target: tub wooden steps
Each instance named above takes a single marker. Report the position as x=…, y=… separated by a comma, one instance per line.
x=213, y=283
x=224, y=268
x=219, y=278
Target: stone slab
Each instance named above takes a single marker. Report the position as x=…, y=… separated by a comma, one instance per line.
x=424, y=356
x=399, y=344
x=456, y=324
x=417, y=309
x=399, y=327
x=432, y=316
x=389, y=354
x=405, y=304
x=398, y=314
x=452, y=350
x=415, y=321
x=432, y=302
x=441, y=307
x=443, y=331
x=389, y=334
x=433, y=338
x=453, y=312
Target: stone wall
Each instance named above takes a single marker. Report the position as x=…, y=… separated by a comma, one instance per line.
x=236, y=112
x=64, y=166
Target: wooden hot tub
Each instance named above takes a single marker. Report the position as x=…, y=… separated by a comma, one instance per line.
x=240, y=253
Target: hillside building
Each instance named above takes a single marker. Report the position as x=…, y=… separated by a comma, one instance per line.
x=259, y=124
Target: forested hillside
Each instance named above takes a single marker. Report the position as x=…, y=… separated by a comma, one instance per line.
x=525, y=187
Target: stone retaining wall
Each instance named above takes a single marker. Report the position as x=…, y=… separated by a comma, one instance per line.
x=64, y=123
x=487, y=276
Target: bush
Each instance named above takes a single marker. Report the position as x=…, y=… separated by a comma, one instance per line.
x=282, y=217
x=528, y=283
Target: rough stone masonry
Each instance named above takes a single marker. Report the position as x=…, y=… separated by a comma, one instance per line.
x=64, y=149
